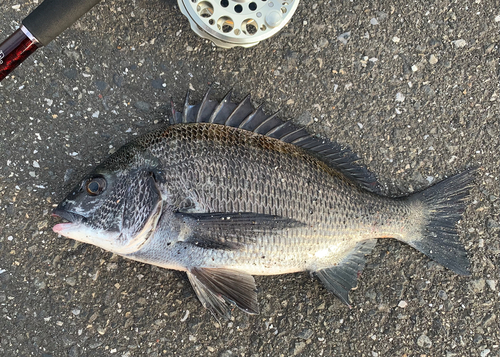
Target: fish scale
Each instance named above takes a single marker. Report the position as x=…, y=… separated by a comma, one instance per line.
x=227, y=192
x=282, y=170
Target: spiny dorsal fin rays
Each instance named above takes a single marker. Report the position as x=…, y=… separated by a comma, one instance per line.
x=240, y=113
x=176, y=116
x=198, y=113
x=321, y=148
x=281, y=130
x=295, y=134
x=186, y=110
x=221, y=109
x=244, y=116
x=269, y=124
x=203, y=105
x=253, y=119
x=303, y=141
x=172, y=108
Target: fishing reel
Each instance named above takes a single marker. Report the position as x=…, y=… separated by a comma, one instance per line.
x=231, y=23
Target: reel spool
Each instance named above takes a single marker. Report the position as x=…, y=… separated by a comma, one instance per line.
x=231, y=23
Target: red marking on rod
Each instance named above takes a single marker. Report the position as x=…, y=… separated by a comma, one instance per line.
x=14, y=51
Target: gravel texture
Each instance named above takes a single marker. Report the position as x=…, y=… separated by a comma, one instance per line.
x=412, y=87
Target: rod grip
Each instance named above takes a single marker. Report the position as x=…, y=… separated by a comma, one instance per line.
x=14, y=50
x=52, y=17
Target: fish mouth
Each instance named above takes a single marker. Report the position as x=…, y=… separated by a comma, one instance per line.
x=69, y=219
x=68, y=216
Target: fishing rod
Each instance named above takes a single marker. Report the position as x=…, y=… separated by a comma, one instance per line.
x=40, y=27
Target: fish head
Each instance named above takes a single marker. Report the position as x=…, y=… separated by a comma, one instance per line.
x=116, y=210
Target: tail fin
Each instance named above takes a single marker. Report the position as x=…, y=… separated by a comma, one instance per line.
x=445, y=201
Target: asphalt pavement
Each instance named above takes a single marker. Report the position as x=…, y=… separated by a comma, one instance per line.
x=413, y=87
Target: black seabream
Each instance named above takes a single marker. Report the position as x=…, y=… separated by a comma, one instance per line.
x=226, y=192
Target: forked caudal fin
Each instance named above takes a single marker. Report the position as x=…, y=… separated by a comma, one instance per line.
x=445, y=203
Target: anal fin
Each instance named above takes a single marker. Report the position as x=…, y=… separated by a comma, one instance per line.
x=342, y=278
x=219, y=288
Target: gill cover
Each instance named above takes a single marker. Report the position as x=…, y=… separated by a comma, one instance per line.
x=115, y=211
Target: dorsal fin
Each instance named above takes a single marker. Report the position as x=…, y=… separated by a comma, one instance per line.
x=242, y=111
x=244, y=116
x=187, y=113
x=206, y=109
x=252, y=121
x=223, y=110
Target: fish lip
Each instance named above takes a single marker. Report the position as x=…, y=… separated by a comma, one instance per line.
x=69, y=216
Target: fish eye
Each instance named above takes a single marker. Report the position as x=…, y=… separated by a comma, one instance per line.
x=95, y=186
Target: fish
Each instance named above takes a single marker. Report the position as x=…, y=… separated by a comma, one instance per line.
x=225, y=192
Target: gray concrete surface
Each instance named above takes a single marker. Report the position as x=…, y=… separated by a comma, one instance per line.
x=414, y=90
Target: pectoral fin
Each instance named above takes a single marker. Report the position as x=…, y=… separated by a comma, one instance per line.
x=219, y=288
x=232, y=231
x=241, y=221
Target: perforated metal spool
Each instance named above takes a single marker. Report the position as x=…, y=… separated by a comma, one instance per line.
x=230, y=23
